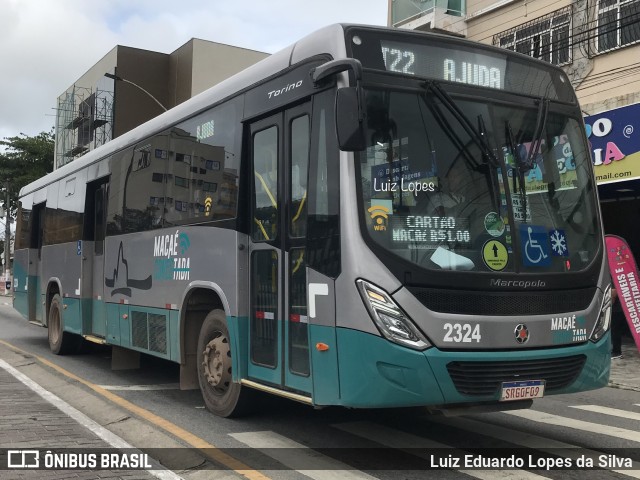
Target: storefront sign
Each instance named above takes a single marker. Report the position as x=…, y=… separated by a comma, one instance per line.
x=614, y=138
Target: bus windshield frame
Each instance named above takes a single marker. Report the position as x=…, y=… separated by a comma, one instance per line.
x=523, y=151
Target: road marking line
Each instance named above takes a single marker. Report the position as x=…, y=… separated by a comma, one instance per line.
x=321, y=467
x=609, y=411
x=141, y=388
x=557, y=420
x=390, y=437
x=207, y=449
x=528, y=440
x=108, y=436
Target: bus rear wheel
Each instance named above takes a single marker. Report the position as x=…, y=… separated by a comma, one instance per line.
x=60, y=342
x=221, y=395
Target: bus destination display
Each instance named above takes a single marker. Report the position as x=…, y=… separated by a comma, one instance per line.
x=463, y=66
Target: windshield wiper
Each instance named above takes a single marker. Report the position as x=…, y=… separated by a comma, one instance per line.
x=478, y=137
x=523, y=166
x=519, y=170
x=536, y=142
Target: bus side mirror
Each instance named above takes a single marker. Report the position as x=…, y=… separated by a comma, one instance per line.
x=349, y=102
x=349, y=120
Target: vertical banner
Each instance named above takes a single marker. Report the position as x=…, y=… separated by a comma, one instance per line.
x=624, y=273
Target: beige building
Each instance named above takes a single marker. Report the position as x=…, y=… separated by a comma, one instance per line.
x=597, y=43
x=96, y=108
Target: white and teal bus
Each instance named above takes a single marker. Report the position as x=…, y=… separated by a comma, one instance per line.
x=367, y=218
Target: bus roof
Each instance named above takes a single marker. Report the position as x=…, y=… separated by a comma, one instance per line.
x=328, y=40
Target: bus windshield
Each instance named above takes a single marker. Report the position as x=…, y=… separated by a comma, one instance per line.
x=453, y=183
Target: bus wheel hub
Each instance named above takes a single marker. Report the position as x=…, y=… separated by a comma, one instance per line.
x=217, y=370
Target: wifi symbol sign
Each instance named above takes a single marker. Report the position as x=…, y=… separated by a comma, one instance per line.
x=379, y=213
x=183, y=242
x=207, y=206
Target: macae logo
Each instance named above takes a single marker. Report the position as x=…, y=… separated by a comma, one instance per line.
x=171, y=262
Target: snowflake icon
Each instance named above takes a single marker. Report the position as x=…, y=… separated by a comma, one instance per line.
x=558, y=243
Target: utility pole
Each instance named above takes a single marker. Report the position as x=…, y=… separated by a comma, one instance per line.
x=7, y=237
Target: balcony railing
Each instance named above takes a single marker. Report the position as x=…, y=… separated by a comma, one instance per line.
x=404, y=11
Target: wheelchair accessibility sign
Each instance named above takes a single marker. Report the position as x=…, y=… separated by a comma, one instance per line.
x=534, y=243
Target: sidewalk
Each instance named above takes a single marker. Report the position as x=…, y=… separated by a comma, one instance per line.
x=29, y=422
x=625, y=371
x=42, y=410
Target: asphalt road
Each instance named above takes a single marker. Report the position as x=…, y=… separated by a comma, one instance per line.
x=589, y=423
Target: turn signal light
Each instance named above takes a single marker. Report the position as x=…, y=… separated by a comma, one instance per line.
x=322, y=347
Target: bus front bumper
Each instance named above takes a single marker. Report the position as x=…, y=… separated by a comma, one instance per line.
x=374, y=372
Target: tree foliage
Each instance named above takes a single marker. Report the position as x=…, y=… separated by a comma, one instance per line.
x=24, y=160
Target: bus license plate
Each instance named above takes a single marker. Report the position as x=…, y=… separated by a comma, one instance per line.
x=522, y=390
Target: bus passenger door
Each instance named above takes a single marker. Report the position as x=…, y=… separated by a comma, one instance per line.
x=93, y=258
x=278, y=336
x=34, y=277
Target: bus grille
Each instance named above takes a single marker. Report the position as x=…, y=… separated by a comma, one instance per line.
x=468, y=302
x=485, y=378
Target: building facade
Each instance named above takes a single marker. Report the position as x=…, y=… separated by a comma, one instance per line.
x=597, y=42
x=97, y=108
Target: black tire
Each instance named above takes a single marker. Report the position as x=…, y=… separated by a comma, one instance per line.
x=60, y=342
x=221, y=395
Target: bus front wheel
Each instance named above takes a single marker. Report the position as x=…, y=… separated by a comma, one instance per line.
x=60, y=342
x=221, y=395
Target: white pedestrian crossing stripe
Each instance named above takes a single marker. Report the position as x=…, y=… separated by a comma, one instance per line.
x=392, y=438
x=609, y=411
x=320, y=467
x=557, y=420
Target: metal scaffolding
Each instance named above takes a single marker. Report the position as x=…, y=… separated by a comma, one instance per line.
x=84, y=121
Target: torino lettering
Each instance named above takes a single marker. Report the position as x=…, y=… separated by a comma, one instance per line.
x=291, y=86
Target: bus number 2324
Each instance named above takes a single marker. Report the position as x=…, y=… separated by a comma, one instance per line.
x=462, y=333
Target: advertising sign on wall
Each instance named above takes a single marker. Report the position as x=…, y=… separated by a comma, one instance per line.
x=614, y=137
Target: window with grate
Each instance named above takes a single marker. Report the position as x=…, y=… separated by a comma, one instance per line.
x=545, y=38
x=618, y=24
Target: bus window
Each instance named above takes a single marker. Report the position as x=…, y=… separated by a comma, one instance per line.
x=265, y=164
x=264, y=324
x=134, y=179
x=299, y=166
x=203, y=167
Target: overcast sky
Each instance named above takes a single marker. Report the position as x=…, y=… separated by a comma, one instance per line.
x=45, y=45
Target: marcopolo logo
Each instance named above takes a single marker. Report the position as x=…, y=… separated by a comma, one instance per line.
x=496, y=282
x=171, y=262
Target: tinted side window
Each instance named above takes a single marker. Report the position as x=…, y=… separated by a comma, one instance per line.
x=23, y=227
x=62, y=226
x=135, y=185
x=203, y=167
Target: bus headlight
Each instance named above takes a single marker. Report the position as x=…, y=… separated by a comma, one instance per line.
x=604, y=319
x=392, y=322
